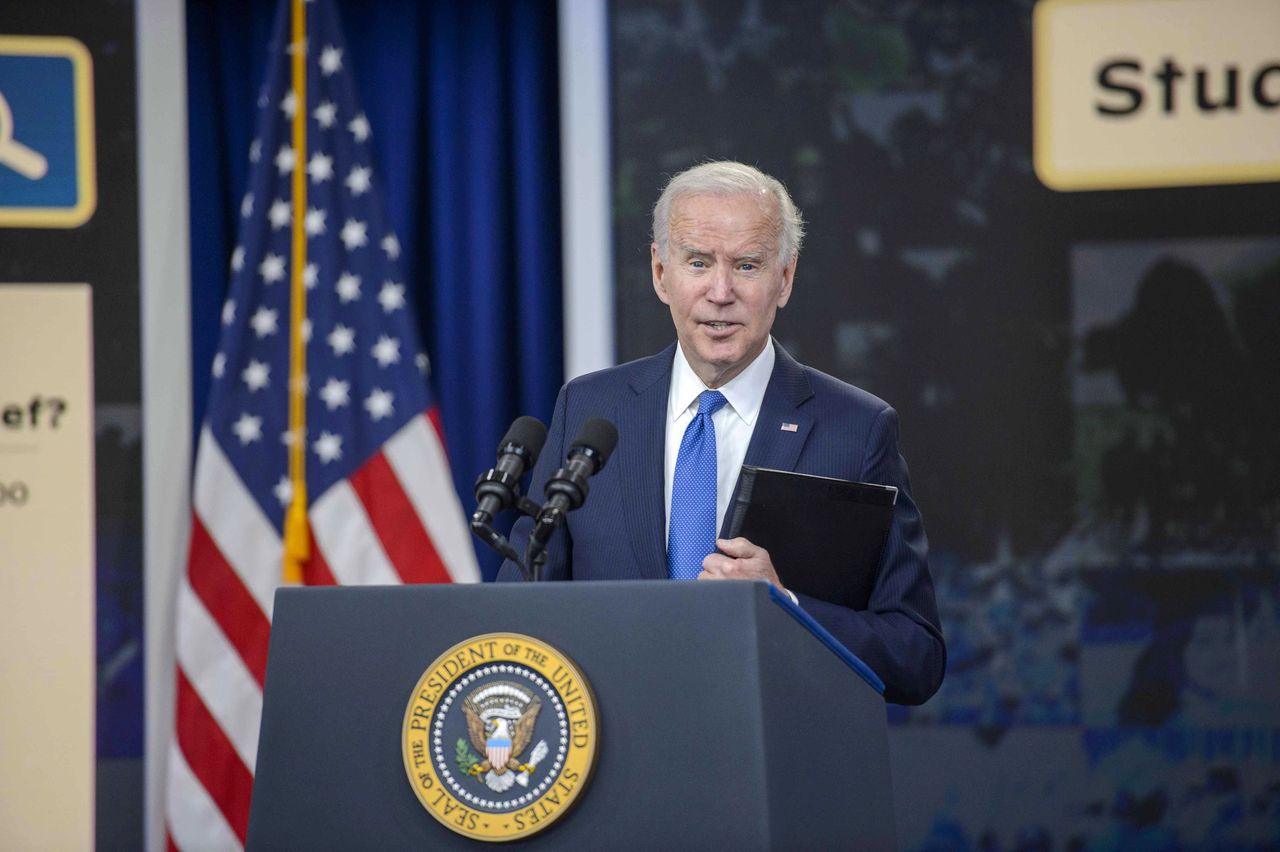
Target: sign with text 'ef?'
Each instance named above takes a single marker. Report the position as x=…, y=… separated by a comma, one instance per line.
x=47, y=567
x=1151, y=93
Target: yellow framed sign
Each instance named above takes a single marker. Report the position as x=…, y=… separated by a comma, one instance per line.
x=1153, y=93
x=48, y=175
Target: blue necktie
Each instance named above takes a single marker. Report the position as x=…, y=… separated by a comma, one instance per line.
x=693, y=493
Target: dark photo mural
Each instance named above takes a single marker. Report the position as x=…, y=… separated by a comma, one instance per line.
x=1089, y=390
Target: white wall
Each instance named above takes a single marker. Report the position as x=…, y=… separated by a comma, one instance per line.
x=587, y=220
x=166, y=364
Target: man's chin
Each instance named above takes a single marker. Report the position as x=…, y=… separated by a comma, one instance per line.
x=720, y=357
x=717, y=365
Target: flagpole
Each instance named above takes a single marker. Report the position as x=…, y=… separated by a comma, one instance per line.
x=296, y=534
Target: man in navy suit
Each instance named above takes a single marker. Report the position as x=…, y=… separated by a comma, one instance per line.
x=726, y=243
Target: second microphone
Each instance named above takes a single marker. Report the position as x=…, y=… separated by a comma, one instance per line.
x=567, y=488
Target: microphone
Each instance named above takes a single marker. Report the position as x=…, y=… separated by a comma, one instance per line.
x=498, y=488
x=567, y=488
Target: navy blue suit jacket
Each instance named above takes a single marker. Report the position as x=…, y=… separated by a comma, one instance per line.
x=842, y=431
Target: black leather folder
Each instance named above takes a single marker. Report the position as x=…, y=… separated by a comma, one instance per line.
x=825, y=536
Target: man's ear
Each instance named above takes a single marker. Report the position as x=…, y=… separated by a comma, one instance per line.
x=788, y=277
x=659, y=270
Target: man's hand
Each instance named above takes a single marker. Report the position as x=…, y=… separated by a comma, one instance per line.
x=739, y=559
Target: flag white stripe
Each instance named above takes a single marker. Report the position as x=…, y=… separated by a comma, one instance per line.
x=348, y=541
x=236, y=523
x=195, y=823
x=218, y=675
x=419, y=462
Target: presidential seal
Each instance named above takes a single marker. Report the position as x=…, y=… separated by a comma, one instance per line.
x=500, y=736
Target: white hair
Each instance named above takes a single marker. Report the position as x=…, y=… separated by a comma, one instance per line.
x=729, y=178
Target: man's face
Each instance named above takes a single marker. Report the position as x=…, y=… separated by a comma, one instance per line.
x=723, y=280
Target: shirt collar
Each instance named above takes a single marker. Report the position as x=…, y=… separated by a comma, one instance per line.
x=745, y=391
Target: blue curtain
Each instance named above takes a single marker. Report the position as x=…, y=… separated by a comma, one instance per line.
x=462, y=99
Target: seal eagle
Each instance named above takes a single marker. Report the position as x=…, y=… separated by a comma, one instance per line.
x=497, y=741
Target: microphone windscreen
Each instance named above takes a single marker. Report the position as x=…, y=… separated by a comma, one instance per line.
x=598, y=435
x=529, y=433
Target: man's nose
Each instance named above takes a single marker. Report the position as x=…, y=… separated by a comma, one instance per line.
x=721, y=289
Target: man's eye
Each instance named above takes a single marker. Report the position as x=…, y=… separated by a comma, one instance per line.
x=698, y=264
x=748, y=267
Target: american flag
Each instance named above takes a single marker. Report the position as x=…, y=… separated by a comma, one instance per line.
x=382, y=507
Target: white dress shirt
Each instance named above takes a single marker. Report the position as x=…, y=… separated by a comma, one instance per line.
x=734, y=423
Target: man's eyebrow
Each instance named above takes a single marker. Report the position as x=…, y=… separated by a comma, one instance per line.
x=757, y=256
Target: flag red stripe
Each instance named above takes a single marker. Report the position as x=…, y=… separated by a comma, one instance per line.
x=213, y=759
x=228, y=602
x=433, y=414
x=316, y=571
x=397, y=524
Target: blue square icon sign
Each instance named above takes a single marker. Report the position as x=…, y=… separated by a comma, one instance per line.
x=47, y=161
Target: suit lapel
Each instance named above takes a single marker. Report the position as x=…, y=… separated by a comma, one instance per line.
x=775, y=443
x=643, y=424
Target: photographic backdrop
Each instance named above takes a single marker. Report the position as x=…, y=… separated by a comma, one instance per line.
x=1089, y=386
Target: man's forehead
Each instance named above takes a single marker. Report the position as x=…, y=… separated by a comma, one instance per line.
x=746, y=220
x=710, y=205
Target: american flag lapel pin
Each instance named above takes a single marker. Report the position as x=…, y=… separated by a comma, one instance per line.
x=790, y=427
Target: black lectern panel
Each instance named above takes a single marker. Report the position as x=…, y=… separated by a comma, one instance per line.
x=723, y=722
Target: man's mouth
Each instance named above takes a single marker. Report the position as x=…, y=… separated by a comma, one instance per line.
x=718, y=325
